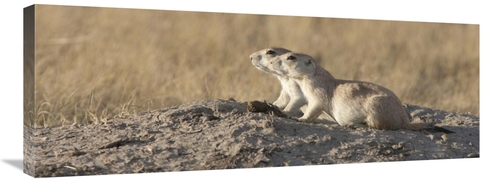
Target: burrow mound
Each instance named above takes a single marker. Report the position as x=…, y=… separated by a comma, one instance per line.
x=223, y=134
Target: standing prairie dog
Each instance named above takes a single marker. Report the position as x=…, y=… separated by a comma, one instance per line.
x=291, y=98
x=348, y=102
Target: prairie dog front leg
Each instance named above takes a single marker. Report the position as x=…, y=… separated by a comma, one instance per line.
x=297, y=99
x=282, y=100
x=314, y=109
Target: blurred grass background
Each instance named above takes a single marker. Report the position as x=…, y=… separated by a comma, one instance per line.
x=96, y=63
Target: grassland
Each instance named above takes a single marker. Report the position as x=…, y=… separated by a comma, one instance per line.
x=96, y=63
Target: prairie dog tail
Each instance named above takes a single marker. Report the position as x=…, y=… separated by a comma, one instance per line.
x=418, y=126
x=428, y=127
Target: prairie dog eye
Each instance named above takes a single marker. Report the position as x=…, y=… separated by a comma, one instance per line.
x=270, y=52
x=291, y=58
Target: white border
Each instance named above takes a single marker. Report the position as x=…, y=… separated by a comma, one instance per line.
x=471, y=12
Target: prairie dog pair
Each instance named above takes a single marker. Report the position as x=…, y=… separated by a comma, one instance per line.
x=291, y=98
x=348, y=102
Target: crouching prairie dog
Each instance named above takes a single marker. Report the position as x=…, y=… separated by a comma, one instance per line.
x=349, y=102
x=291, y=98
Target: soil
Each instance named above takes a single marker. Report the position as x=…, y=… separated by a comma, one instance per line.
x=226, y=134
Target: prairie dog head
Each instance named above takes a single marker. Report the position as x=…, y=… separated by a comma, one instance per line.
x=261, y=59
x=294, y=65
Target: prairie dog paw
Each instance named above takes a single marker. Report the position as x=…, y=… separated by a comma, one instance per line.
x=279, y=105
x=293, y=118
x=294, y=114
x=304, y=120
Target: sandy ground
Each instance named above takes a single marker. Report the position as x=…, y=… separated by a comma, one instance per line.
x=223, y=134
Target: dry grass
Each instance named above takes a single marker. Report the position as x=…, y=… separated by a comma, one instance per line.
x=95, y=63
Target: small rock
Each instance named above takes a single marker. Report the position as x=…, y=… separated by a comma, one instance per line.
x=268, y=108
x=472, y=155
x=445, y=137
x=398, y=146
x=149, y=150
x=431, y=137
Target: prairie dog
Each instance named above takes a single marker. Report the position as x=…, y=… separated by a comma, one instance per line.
x=291, y=98
x=349, y=102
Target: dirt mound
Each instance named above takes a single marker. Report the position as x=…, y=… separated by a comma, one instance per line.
x=223, y=134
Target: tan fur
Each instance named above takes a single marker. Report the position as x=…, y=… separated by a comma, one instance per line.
x=260, y=60
x=348, y=102
x=291, y=100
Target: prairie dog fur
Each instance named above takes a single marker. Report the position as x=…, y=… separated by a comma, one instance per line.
x=349, y=102
x=291, y=98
